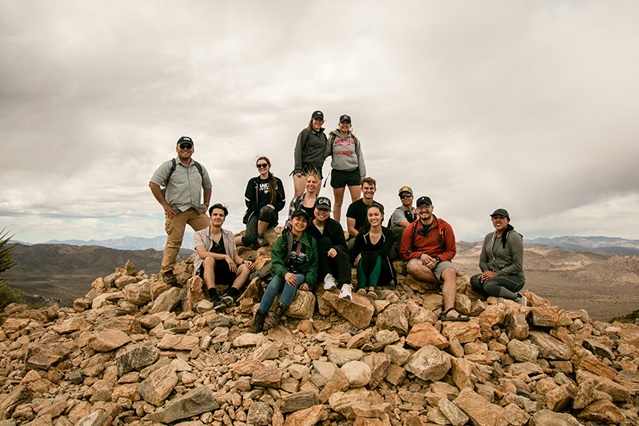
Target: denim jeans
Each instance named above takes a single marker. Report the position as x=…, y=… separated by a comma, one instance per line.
x=277, y=285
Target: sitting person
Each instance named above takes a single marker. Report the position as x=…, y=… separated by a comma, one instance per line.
x=306, y=201
x=293, y=266
x=428, y=245
x=217, y=260
x=332, y=255
x=264, y=198
x=403, y=216
x=370, y=253
x=356, y=218
x=501, y=261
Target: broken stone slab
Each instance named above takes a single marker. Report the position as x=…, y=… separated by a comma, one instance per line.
x=602, y=411
x=358, y=311
x=522, y=351
x=307, y=417
x=176, y=342
x=550, y=418
x=429, y=363
x=108, y=340
x=260, y=414
x=338, y=382
x=549, y=347
x=166, y=300
x=465, y=332
x=302, y=305
x=517, y=326
x=480, y=411
x=454, y=415
x=192, y=403
x=341, y=356
x=298, y=401
x=423, y=334
x=136, y=358
x=158, y=385
x=394, y=318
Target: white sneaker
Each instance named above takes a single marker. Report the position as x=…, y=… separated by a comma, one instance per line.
x=346, y=292
x=521, y=299
x=329, y=282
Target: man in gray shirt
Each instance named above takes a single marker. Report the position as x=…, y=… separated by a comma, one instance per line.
x=183, y=180
x=403, y=216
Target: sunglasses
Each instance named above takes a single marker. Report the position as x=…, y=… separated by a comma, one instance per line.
x=262, y=165
x=406, y=196
x=186, y=145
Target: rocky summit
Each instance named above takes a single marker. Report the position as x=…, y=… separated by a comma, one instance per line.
x=136, y=351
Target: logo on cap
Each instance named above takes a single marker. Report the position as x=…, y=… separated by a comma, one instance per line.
x=323, y=203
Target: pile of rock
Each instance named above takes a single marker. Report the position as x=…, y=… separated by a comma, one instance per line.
x=136, y=351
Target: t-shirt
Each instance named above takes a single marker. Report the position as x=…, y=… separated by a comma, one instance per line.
x=400, y=214
x=357, y=211
x=263, y=194
x=218, y=248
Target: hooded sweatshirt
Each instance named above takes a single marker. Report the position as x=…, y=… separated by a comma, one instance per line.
x=310, y=148
x=346, y=153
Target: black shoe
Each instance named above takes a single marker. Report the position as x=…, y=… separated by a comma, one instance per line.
x=262, y=242
x=258, y=322
x=276, y=319
x=169, y=278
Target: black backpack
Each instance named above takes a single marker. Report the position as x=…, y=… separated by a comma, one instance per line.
x=173, y=167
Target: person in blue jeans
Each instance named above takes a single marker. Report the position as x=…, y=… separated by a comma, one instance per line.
x=293, y=265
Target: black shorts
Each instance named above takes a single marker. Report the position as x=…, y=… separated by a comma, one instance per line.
x=341, y=179
x=308, y=168
x=223, y=274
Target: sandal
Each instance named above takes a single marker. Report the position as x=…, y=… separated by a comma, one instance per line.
x=459, y=318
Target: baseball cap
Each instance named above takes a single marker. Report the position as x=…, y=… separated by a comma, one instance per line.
x=323, y=203
x=345, y=117
x=185, y=139
x=299, y=212
x=405, y=189
x=423, y=200
x=501, y=212
x=318, y=114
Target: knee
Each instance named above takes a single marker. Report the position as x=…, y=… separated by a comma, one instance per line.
x=474, y=282
x=413, y=266
x=209, y=262
x=491, y=288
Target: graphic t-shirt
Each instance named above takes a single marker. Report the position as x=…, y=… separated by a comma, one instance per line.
x=263, y=194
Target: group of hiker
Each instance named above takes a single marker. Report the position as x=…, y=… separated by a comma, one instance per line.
x=313, y=246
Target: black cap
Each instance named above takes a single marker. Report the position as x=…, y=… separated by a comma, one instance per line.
x=299, y=212
x=323, y=203
x=423, y=200
x=501, y=212
x=345, y=117
x=185, y=139
x=318, y=114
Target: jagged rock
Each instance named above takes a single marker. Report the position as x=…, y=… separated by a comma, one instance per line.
x=522, y=352
x=394, y=318
x=177, y=342
x=138, y=293
x=480, y=411
x=340, y=356
x=453, y=414
x=423, y=334
x=549, y=347
x=338, y=382
x=464, y=332
x=97, y=418
x=397, y=354
x=358, y=311
x=344, y=402
x=358, y=373
x=136, y=358
x=602, y=411
x=298, y=401
x=429, y=363
x=108, y=340
x=166, y=301
x=308, y=417
x=8, y=403
x=550, y=418
x=586, y=394
x=260, y=414
x=592, y=364
x=560, y=398
x=462, y=373
x=378, y=363
x=71, y=325
x=266, y=377
x=192, y=403
x=155, y=388
x=517, y=326
x=302, y=305
x=616, y=391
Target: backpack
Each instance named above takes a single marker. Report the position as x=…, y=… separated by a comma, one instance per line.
x=442, y=246
x=173, y=167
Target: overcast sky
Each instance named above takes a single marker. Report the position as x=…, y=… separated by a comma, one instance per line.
x=530, y=106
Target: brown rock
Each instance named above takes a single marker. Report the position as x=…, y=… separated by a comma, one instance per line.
x=344, y=403
x=267, y=377
x=586, y=394
x=338, y=382
x=423, y=334
x=395, y=374
x=614, y=389
x=397, y=354
x=176, y=342
x=480, y=411
x=517, y=326
x=463, y=331
x=19, y=395
x=298, y=401
x=549, y=347
x=341, y=356
x=462, y=373
x=429, y=363
x=378, y=363
x=166, y=300
x=592, y=364
x=394, y=318
x=302, y=306
x=71, y=325
x=155, y=388
x=602, y=411
x=544, y=316
x=308, y=417
x=452, y=412
x=358, y=373
x=358, y=311
x=522, y=352
x=559, y=399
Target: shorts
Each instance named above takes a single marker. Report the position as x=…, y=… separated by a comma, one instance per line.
x=341, y=179
x=223, y=275
x=437, y=271
x=308, y=168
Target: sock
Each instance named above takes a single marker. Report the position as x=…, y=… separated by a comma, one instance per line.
x=213, y=294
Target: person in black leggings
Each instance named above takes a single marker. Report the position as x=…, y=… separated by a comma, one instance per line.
x=501, y=261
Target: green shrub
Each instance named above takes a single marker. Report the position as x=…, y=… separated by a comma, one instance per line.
x=7, y=294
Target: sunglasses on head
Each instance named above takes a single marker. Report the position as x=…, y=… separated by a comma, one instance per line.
x=186, y=145
x=262, y=165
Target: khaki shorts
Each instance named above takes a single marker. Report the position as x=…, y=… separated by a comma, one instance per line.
x=437, y=271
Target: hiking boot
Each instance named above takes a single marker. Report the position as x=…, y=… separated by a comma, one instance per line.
x=258, y=322
x=169, y=278
x=261, y=241
x=329, y=282
x=521, y=299
x=346, y=292
x=276, y=319
x=218, y=304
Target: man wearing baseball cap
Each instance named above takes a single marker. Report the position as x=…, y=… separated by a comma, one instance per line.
x=428, y=246
x=184, y=180
x=332, y=254
x=403, y=216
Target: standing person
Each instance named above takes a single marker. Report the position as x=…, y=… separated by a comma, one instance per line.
x=310, y=152
x=428, y=245
x=332, y=255
x=293, y=266
x=184, y=180
x=370, y=253
x=356, y=215
x=501, y=261
x=218, y=261
x=306, y=201
x=347, y=164
x=264, y=198
x=402, y=216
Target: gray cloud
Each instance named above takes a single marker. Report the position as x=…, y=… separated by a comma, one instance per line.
x=528, y=106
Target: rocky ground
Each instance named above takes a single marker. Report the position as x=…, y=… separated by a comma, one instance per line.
x=135, y=351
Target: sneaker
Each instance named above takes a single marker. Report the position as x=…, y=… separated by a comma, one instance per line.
x=329, y=282
x=372, y=295
x=169, y=278
x=228, y=301
x=262, y=242
x=218, y=304
x=521, y=299
x=361, y=292
x=346, y=292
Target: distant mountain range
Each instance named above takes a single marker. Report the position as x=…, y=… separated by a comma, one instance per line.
x=605, y=244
